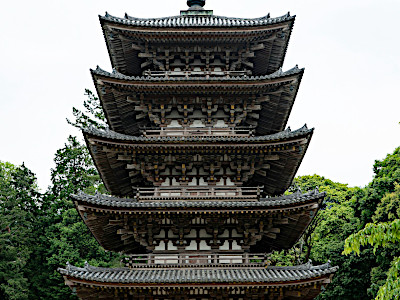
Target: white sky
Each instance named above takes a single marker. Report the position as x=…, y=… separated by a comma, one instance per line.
x=350, y=49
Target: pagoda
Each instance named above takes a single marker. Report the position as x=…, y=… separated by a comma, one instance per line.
x=197, y=159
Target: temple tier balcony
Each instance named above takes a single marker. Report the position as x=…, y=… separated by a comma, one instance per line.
x=197, y=283
x=232, y=44
x=198, y=193
x=197, y=73
x=196, y=259
x=125, y=162
x=185, y=225
x=262, y=103
x=197, y=131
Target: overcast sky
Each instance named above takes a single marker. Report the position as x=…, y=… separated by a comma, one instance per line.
x=350, y=91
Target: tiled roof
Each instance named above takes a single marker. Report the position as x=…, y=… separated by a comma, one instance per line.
x=104, y=200
x=115, y=74
x=286, y=134
x=196, y=21
x=195, y=275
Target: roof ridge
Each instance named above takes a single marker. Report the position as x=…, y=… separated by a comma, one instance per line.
x=108, y=133
x=107, y=200
x=108, y=16
x=276, y=74
x=199, y=21
x=321, y=269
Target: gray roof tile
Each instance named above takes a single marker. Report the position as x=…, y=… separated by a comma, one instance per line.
x=286, y=134
x=287, y=200
x=115, y=74
x=197, y=21
x=269, y=274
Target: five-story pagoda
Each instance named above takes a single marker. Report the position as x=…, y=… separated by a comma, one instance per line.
x=197, y=161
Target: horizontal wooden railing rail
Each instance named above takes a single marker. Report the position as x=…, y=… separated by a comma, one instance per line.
x=193, y=73
x=196, y=259
x=199, y=192
x=199, y=131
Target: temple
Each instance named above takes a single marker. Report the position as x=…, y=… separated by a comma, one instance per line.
x=197, y=158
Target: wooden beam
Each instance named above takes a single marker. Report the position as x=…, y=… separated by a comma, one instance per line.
x=296, y=294
x=116, y=222
x=271, y=235
x=124, y=231
x=281, y=221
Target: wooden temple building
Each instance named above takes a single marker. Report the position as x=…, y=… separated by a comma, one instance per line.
x=197, y=160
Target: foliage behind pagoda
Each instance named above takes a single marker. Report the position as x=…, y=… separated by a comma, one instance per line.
x=42, y=231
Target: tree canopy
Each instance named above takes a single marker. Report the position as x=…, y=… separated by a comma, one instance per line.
x=40, y=232
x=382, y=235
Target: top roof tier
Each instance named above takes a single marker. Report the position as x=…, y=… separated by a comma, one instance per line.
x=197, y=39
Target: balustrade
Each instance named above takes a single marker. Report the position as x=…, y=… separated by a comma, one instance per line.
x=182, y=260
x=202, y=73
x=199, y=193
x=199, y=131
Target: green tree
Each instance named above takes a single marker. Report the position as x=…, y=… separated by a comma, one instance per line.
x=386, y=174
x=379, y=202
x=91, y=116
x=324, y=239
x=68, y=238
x=378, y=235
x=19, y=207
x=64, y=237
x=389, y=207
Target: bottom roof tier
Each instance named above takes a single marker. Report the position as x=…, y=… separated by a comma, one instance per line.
x=299, y=282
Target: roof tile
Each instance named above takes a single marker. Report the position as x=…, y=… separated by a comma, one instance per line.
x=196, y=21
x=270, y=274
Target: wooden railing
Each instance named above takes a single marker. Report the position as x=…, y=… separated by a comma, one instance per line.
x=199, y=193
x=196, y=73
x=182, y=260
x=199, y=131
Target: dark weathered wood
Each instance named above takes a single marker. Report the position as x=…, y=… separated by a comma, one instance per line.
x=198, y=104
x=264, y=105
x=261, y=228
x=153, y=164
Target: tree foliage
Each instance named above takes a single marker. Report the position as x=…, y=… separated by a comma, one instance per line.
x=67, y=238
x=389, y=207
x=391, y=289
x=382, y=235
x=19, y=207
x=93, y=114
x=40, y=232
x=386, y=175
x=324, y=239
x=377, y=235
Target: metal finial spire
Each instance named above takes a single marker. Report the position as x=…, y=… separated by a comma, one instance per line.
x=192, y=3
x=196, y=9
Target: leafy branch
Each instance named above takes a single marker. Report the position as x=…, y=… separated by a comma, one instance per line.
x=92, y=116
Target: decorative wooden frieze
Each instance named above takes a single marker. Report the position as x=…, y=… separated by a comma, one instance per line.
x=233, y=227
x=134, y=104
